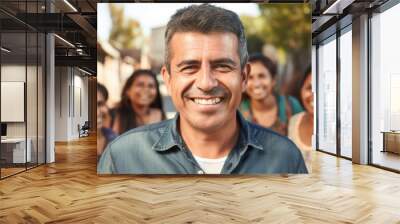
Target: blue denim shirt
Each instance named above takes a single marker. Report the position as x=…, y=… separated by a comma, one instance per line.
x=159, y=149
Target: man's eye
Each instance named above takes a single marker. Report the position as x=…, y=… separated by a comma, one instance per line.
x=189, y=69
x=223, y=68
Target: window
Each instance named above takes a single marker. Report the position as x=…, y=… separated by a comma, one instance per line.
x=385, y=88
x=327, y=95
x=346, y=93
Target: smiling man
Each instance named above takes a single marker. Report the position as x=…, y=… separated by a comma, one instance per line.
x=206, y=72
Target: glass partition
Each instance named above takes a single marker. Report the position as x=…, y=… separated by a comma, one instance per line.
x=31, y=97
x=13, y=94
x=22, y=77
x=41, y=86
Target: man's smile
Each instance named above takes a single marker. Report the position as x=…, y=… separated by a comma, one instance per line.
x=207, y=101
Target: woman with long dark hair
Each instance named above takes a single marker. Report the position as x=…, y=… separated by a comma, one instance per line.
x=301, y=125
x=141, y=102
x=261, y=104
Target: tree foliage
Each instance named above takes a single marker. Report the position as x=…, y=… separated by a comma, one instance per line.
x=125, y=31
x=287, y=27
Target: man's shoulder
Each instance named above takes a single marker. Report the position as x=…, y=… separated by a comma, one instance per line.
x=139, y=138
x=271, y=141
x=278, y=150
x=132, y=152
x=145, y=129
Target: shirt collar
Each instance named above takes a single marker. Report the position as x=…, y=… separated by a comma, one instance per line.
x=170, y=136
x=249, y=133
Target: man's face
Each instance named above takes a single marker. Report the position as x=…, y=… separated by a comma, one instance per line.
x=205, y=81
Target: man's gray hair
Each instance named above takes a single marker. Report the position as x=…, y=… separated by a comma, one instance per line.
x=205, y=18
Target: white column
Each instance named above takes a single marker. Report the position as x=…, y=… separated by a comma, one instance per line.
x=50, y=92
x=360, y=90
x=50, y=99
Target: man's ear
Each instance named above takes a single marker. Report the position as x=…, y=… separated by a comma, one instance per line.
x=166, y=77
x=245, y=75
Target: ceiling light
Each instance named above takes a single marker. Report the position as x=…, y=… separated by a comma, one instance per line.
x=79, y=51
x=70, y=5
x=5, y=49
x=337, y=7
x=65, y=41
x=84, y=71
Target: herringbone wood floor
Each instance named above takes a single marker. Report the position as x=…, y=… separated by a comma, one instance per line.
x=70, y=191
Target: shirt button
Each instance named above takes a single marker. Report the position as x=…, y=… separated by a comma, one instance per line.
x=200, y=172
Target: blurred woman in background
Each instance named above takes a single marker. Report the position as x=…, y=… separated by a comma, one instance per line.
x=140, y=103
x=104, y=133
x=260, y=103
x=301, y=125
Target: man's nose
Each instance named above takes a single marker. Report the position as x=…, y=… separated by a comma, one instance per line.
x=206, y=80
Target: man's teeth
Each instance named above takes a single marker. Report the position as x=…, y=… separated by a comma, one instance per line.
x=207, y=101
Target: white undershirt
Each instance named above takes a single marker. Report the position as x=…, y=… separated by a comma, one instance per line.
x=294, y=135
x=211, y=166
x=294, y=131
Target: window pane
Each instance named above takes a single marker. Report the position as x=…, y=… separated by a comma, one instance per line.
x=385, y=86
x=327, y=96
x=346, y=94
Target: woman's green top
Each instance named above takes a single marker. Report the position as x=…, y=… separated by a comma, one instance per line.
x=287, y=106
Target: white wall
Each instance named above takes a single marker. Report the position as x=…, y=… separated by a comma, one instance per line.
x=61, y=103
x=71, y=94
x=14, y=73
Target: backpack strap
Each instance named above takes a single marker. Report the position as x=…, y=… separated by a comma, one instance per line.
x=287, y=110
